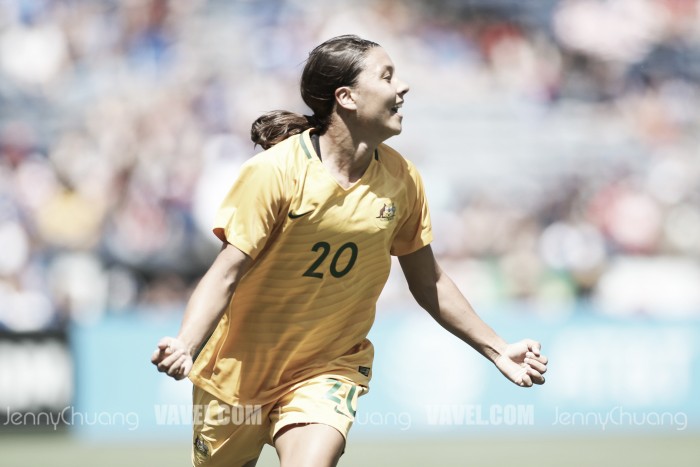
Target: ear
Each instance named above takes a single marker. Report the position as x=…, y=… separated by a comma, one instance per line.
x=345, y=98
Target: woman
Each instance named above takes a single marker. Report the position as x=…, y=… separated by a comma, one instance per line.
x=308, y=230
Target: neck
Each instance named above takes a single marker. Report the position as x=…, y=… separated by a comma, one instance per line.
x=345, y=156
x=344, y=153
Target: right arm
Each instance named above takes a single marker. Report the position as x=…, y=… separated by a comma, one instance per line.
x=205, y=307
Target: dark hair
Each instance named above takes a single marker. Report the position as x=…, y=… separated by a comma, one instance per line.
x=335, y=63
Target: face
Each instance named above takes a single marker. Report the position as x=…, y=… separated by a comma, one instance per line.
x=378, y=95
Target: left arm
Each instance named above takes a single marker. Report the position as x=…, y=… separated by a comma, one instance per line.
x=520, y=362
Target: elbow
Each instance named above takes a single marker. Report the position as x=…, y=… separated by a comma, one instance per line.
x=426, y=297
x=230, y=280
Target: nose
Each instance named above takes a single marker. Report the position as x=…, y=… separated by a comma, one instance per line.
x=402, y=88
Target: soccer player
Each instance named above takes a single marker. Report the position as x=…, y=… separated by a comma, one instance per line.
x=308, y=230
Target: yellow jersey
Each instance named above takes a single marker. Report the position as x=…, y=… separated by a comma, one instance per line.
x=321, y=256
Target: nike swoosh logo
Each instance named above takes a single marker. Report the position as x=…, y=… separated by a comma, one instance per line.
x=297, y=216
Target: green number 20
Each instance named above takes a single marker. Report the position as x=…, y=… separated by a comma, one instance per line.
x=330, y=394
x=325, y=249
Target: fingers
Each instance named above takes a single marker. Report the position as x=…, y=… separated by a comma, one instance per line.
x=162, y=350
x=176, y=365
x=156, y=356
x=529, y=376
x=181, y=368
x=521, y=377
x=176, y=368
x=159, y=354
x=525, y=380
x=533, y=346
x=170, y=361
x=523, y=363
x=535, y=376
x=536, y=364
x=171, y=358
x=185, y=368
x=534, y=357
x=540, y=358
x=164, y=343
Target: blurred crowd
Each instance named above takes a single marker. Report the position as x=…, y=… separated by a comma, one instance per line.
x=559, y=144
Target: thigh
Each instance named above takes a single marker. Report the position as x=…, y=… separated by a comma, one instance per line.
x=310, y=424
x=309, y=444
x=225, y=435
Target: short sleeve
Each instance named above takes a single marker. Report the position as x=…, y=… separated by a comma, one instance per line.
x=252, y=207
x=415, y=231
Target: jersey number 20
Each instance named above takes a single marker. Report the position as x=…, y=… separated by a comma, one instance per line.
x=325, y=250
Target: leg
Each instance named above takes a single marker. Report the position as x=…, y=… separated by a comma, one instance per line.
x=223, y=435
x=310, y=423
x=309, y=444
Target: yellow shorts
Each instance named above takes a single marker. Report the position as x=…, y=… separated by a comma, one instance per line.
x=225, y=435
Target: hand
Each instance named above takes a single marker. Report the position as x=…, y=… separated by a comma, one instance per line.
x=523, y=363
x=172, y=357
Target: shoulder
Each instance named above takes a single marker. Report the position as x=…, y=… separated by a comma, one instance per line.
x=395, y=163
x=281, y=158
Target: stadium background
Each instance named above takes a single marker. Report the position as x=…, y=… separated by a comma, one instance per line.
x=559, y=145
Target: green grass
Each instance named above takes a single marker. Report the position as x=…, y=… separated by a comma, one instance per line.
x=57, y=450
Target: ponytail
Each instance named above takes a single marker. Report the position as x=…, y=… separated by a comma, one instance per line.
x=274, y=127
